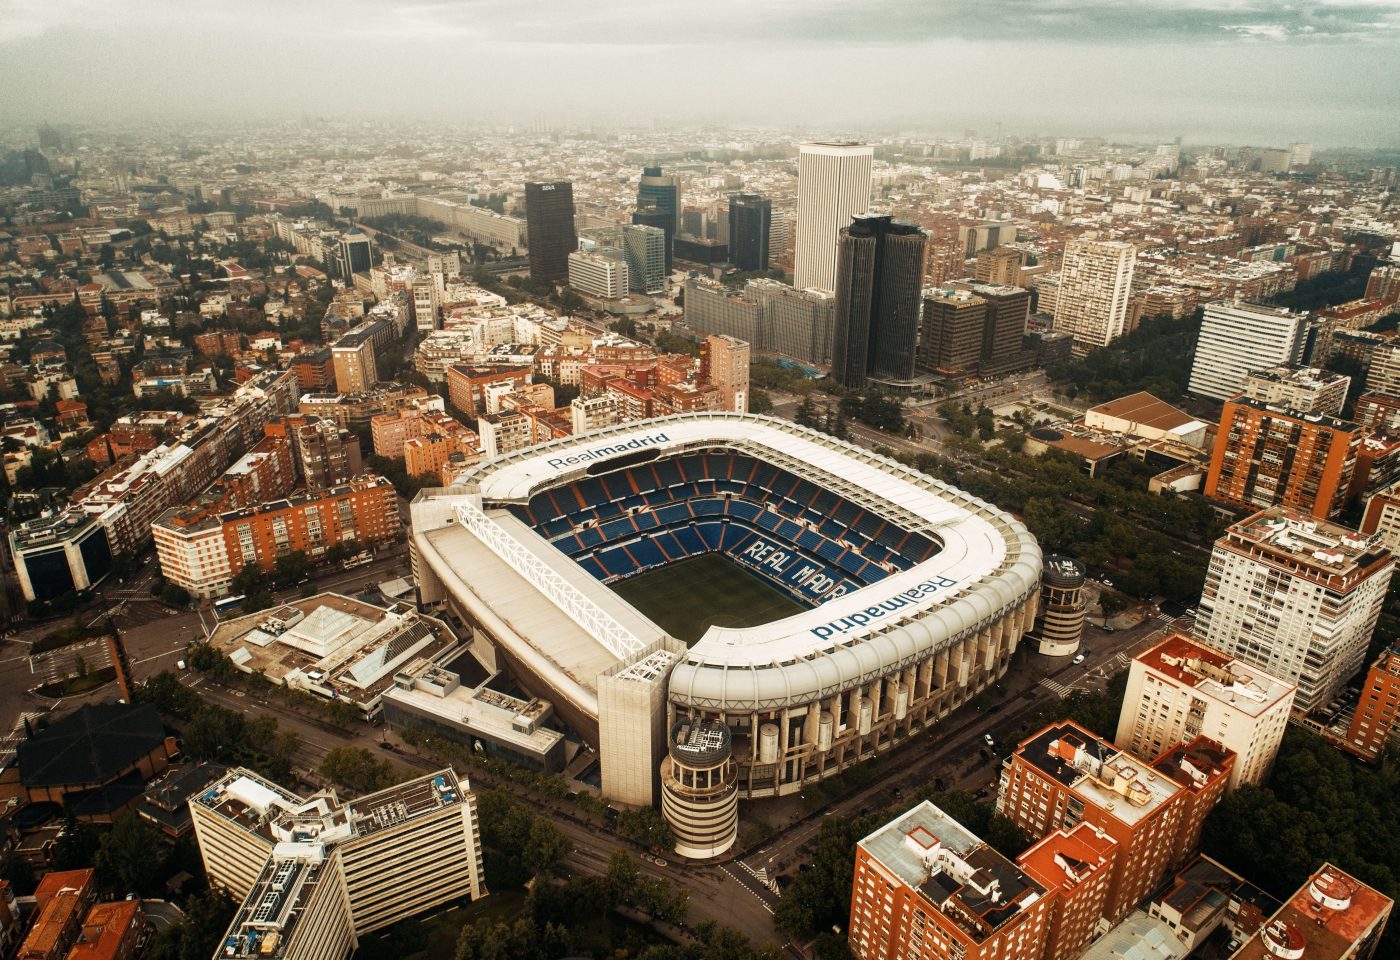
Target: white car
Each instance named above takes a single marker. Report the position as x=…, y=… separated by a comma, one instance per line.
x=988, y=737
x=1078, y=659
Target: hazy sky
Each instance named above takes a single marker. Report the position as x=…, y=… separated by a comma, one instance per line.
x=1260, y=71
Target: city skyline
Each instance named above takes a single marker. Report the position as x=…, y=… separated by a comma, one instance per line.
x=1233, y=71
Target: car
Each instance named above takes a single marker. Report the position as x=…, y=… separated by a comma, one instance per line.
x=386, y=745
x=1107, y=582
x=988, y=737
x=1233, y=945
x=1078, y=659
x=898, y=793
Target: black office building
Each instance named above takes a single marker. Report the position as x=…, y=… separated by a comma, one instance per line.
x=549, y=217
x=879, y=278
x=659, y=205
x=750, y=223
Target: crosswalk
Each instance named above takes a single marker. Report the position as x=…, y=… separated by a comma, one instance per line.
x=761, y=875
x=1060, y=690
x=1167, y=618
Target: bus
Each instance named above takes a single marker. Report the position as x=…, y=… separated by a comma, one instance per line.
x=358, y=560
x=228, y=604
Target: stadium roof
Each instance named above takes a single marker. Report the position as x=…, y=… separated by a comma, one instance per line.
x=988, y=563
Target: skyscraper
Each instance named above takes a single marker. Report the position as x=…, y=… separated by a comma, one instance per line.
x=353, y=255
x=549, y=216
x=1095, y=280
x=833, y=185
x=659, y=205
x=878, y=280
x=1296, y=597
x=644, y=248
x=1239, y=337
x=750, y=225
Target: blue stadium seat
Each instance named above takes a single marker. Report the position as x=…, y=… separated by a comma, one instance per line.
x=646, y=553
x=690, y=542
x=712, y=533
x=744, y=510
x=667, y=472
x=591, y=564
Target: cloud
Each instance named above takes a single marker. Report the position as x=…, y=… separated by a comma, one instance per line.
x=738, y=23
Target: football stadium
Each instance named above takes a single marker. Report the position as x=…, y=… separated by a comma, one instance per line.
x=726, y=606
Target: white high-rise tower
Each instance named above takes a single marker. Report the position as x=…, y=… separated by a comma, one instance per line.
x=833, y=185
x=1095, y=281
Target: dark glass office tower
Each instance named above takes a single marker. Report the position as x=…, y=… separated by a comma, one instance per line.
x=549, y=217
x=879, y=277
x=750, y=223
x=659, y=205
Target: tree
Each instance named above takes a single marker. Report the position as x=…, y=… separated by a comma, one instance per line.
x=625, y=326
x=545, y=848
x=358, y=770
x=76, y=845
x=806, y=415
x=760, y=402
x=647, y=827
x=620, y=879
x=198, y=935
x=18, y=872
x=125, y=857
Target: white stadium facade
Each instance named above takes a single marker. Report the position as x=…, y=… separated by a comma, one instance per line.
x=914, y=596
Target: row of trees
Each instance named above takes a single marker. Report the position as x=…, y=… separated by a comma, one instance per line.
x=359, y=771
x=1318, y=806
x=1118, y=526
x=212, y=732
x=1155, y=357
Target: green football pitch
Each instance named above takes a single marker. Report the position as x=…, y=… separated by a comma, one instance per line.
x=688, y=597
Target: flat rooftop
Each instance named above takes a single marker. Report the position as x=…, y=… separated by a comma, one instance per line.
x=331, y=642
x=1330, y=547
x=953, y=869
x=1323, y=921
x=1111, y=779
x=1215, y=675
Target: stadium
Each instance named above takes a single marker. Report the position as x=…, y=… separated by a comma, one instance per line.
x=820, y=601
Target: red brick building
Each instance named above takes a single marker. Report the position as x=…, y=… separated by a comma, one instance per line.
x=926, y=888
x=1374, y=719
x=1075, y=867
x=362, y=512
x=1065, y=775
x=1266, y=456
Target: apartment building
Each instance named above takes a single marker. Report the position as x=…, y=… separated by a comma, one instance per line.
x=1373, y=723
x=202, y=550
x=1238, y=337
x=1181, y=688
x=724, y=365
x=61, y=901
x=1266, y=455
x=503, y=433
x=353, y=357
x=1202, y=768
x=925, y=887
x=1065, y=775
x=1296, y=597
x=1096, y=280
x=1333, y=916
x=1075, y=867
